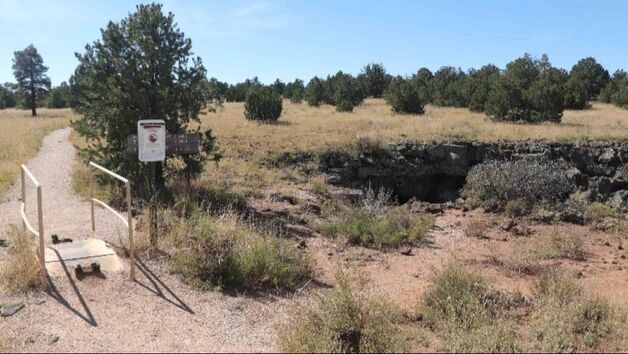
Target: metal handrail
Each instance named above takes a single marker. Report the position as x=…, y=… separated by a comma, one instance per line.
x=115, y=213
x=25, y=172
x=25, y=221
x=128, y=223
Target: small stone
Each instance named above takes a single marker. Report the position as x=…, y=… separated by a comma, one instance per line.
x=11, y=309
x=607, y=243
x=302, y=244
x=37, y=301
x=54, y=339
x=505, y=239
x=330, y=254
x=407, y=252
x=579, y=275
x=620, y=247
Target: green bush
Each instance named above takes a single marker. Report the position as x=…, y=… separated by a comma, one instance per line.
x=344, y=106
x=294, y=91
x=566, y=320
x=528, y=91
x=404, y=97
x=263, y=104
x=389, y=230
x=345, y=320
x=448, y=87
x=478, y=86
x=314, y=92
x=343, y=87
x=493, y=184
x=218, y=251
x=467, y=315
x=375, y=79
x=422, y=80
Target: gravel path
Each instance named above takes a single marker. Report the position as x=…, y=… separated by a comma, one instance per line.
x=65, y=213
x=156, y=313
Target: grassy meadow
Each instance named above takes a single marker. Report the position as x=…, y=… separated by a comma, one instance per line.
x=21, y=136
x=301, y=128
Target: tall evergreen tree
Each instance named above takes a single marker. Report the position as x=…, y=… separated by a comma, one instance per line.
x=30, y=73
x=141, y=68
x=375, y=79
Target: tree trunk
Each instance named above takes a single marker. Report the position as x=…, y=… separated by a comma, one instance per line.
x=33, y=102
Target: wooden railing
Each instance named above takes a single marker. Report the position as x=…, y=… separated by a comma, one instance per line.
x=129, y=217
x=40, y=218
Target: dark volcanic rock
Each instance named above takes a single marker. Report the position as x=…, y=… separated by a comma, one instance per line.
x=435, y=172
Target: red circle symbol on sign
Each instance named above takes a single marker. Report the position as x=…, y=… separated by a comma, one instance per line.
x=152, y=138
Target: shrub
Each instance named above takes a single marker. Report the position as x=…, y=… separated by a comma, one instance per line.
x=295, y=91
x=375, y=79
x=404, y=97
x=467, y=315
x=263, y=104
x=345, y=320
x=314, y=92
x=21, y=270
x=493, y=184
x=478, y=86
x=589, y=77
x=344, y=106
x=477, y=228
x=385, y=231
x=422, y=80
x=344, y=89
x=218, y=251
x=566, y=320
x=529, y=91
x=448, y=87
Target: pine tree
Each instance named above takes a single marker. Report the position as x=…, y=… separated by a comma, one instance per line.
x=141, y=68
x=30, y=73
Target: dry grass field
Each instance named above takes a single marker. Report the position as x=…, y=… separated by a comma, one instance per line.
x=305, y=128
x=302, y=128
x=21, y=136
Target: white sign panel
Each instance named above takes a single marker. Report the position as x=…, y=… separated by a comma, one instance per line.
x=151, y=140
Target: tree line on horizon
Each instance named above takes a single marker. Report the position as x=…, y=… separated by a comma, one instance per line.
x=527, y=89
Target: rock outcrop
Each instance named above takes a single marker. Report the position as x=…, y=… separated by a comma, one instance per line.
x=436, y=171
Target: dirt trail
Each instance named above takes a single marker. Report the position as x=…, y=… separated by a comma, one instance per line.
x=156, y=313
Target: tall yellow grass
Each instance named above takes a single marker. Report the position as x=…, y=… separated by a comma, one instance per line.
x=21, y=136
x=309, y=128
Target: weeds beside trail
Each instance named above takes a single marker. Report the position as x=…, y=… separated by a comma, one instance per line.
x=468, y=315
x=347, y=320
x=21, y=271
x=21, y=136
x=222, y=251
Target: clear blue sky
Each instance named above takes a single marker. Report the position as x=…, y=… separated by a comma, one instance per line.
x=303, y=38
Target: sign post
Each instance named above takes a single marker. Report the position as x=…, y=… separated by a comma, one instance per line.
x=151, y=144
x=151, y=148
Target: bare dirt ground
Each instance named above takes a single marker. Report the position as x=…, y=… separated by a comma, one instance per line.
x=161, y=313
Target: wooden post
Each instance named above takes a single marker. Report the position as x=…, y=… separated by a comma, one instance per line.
x=40, y=216
x=91, y=200
x=154, y=246
x=130, y=227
